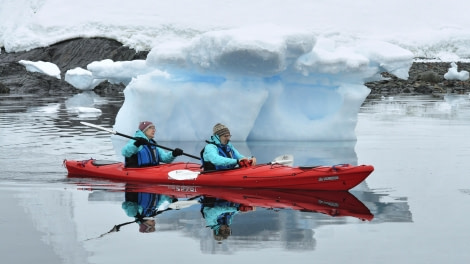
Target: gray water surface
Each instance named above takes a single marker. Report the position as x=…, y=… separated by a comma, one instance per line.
x=419, y=193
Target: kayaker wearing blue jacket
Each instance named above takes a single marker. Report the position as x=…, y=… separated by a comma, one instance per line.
x=219, y=153
x=218, y=217
x=219, y=213
x=144, y=207
x=141, y=152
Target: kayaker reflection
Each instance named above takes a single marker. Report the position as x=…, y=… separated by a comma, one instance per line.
x=144, y=207
x=219, y=213
x=141, y=152
x=219, y=153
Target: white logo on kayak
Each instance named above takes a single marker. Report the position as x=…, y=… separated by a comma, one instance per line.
x=329, y=178
x=332, y=204
x=183, y=175
x=180, y=188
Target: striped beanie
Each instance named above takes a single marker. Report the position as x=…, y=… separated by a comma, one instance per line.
x=220, y=130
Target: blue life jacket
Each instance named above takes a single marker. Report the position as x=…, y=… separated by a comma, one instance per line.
x=147, y=156
x=141, y=204
x=148, y=202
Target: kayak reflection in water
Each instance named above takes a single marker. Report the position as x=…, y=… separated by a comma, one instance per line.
x=218, y=214
x=144, y=207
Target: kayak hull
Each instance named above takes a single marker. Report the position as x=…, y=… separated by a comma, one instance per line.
x=275, y=176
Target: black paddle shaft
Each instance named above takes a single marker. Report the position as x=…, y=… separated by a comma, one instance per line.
x=160, y=146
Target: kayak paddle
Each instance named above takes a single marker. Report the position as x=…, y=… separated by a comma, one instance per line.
x=127, y=136
x=286, y=159
x=172, y=206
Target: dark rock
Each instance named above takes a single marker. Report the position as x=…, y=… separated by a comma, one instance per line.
x=430, y=76
x=424, y=78
x=4, y=89
x=107, y=88
x=424, y=90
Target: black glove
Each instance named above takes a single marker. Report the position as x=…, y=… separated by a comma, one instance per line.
x=177, y=152
x=140, y=141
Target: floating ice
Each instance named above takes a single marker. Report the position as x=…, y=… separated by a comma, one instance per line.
x=81, y=79
x=43, y=67
x=454, y=74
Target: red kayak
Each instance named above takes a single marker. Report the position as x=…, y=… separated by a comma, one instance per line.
x=333, y=203
x=273, y=175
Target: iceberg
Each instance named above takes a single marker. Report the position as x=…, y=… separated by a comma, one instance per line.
x=265, y=82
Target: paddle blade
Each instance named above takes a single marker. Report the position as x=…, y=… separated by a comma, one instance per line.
x=286, y=159
x=183, y=175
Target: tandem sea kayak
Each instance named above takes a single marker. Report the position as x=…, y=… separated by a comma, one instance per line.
x=272, y=175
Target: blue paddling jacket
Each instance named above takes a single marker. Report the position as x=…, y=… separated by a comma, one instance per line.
x=219, y=213
x=216, y=156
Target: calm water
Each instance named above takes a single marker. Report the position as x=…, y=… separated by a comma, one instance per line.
x=416, y=203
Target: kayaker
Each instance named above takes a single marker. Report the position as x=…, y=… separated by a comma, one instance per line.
x=219, y=153
x=144, y=207
x=218, y=214
x=140, y=152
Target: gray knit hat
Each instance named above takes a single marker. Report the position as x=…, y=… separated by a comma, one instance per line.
x=220, y=130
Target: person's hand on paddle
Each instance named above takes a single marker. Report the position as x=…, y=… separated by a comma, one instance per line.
x=253, y=161
x=246, y=208
x=177, y=152
x=140, y=141
x=246, y=162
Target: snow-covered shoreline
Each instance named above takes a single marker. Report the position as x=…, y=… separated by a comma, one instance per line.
x=80, y=52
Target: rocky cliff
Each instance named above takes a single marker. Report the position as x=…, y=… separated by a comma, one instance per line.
x=66, y=55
